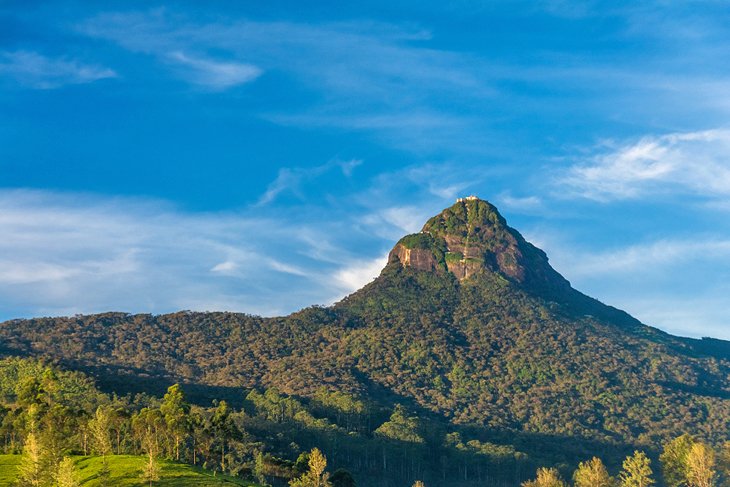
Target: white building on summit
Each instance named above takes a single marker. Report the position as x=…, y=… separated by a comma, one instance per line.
x=468, y=198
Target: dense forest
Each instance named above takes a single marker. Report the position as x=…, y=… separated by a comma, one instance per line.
x=48, y=415
x=468, y=360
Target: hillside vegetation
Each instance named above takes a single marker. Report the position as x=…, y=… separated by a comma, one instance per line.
x=468, y=337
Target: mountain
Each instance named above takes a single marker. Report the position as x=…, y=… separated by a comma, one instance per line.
x=468, y=326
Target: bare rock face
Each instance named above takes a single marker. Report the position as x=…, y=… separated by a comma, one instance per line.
x=470, y=238
x=420, y=259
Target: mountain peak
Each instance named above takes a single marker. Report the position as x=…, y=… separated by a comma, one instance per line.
x=471, y=237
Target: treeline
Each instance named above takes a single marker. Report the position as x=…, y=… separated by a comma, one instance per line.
x=49, y=414
x=684, y=462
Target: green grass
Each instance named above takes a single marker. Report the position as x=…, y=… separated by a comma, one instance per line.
x=126, y=471
x=8, y=464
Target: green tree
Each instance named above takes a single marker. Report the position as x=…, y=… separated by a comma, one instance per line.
x=701, y=466
x=175, y=410
x=636, y=471
x=724, y=463
x=66, y=475
x=33, y=468
x=342, y=478
x=592, y=473
x=401, y=427
x=316, y=476
x=101, y=440
x=223, y=429
x=259, y=468
x=674, y=460
x=546, y=477
x=151, y=472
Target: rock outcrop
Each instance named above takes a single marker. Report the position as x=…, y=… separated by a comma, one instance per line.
x=471, y=237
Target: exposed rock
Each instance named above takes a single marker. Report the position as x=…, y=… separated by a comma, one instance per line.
x=472, y=237
x=420, y=259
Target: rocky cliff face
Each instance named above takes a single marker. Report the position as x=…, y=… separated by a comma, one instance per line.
x=470, y=238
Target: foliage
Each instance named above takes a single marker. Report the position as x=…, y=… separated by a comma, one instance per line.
x=401, y=427
x=315, y=476
x=342, y=478
x=674, y=460
x=546, y=477
x=592, y=473
x=636, y=471
x=175, y=409
x=66, y=474
x=151, y=471
x=416, y=376
x=701, y=466
x=34, y=469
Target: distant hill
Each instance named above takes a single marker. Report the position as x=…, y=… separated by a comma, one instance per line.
x=467, y=324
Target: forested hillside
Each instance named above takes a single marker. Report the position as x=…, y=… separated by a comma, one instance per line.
x=468, y=331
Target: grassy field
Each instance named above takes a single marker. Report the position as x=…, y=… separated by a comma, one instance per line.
x=126, y=471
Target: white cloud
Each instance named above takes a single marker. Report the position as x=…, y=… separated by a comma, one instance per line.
x=215, y=74
x=692, y=162
x=525, y=203
x=359, y=273
x=408, y=219
x=86, y=253
x=644, y=258
x=694, y=316
x=676, y=284
x=226, y=267
x=78, y=253
x=368, y=76
x=40, y=72
x=292, y=179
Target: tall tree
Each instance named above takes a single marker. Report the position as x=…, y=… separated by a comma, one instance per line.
x=175, y=410
x=546, y=477
x=316, y=476
x=674, y=460
x=592, y=473
x=151, y=472
x=636, y=471
x=33, y=468
x=701, y=466
x=101, y=437
x=66, y=475
x=147, y=426
x=223, y=429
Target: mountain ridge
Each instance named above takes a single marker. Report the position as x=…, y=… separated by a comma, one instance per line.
x=504, y=344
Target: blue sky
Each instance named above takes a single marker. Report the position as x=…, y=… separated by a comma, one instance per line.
x=265, y=156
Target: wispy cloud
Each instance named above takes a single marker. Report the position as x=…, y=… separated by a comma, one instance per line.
x=358, y=273
x=690, y=162
x=391, y=81
x=644, y=258
x=367, y=76
x=292, y=179
x=215, y=74
x=675, y=284
x=68, y=253
x=696, y=316
x=37, y=71
x=519, y=203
